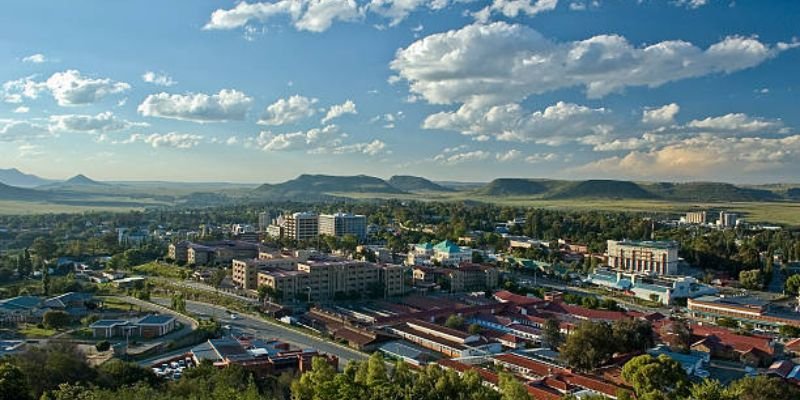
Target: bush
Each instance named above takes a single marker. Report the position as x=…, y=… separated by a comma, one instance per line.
x=56, y=319
x=103, y=345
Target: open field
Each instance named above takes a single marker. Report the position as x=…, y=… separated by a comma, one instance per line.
x=784, y=213
x=11, y=207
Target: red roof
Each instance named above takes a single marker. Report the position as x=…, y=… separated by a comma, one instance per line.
x=542, y=393
x=538, y=368
x=592, y=383
x=738, y=342
x=793, y=345
x=507, y=297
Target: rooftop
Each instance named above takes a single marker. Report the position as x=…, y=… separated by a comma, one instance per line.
x=156, y=320
x=656, y=244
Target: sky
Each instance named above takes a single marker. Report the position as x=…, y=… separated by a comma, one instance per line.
x=467, y=90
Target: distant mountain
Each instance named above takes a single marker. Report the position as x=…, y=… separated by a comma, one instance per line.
x=602, y=188
x=83, y=180
x=408, y=183
x=516, y=187
x=710, y=191
x=316, y=185
x=15, y=177
x=22, y=194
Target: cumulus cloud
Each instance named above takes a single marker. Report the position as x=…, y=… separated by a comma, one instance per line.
x=372, y=148
x=500, y=63
x=398, y=10
x=556, y=123
x=337, y=110
x=15, y=91
x=300, y=140
x=37, y=58
x=307, y=15
x=510, y=155
x=692, y=4
x=388, y=119
x=705, y=155
x=541, y=157
x=288, y=111
x=101, y=123
x=227, y=105
x=12, y=130
x=158, y=78
x=735, y=122
x=21, y=110
x=174, y=140
x=453, y=158
x=513, y=8
x=663, y=115
x=70, y=88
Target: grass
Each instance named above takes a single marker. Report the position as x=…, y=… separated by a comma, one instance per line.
x=163, y=270
x=11, y=207
x=783, y=213
x=30, y=330
x=113, y=303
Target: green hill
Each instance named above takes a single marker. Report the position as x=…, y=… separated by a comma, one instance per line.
x=16, y=193
x=602, y=188
x=408, y=183
x=710, y=191
x=515, y=187
x=316, y=185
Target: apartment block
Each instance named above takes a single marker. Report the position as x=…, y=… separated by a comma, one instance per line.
x=341, y=224
x=643, y=257
x=696, y=217
x=302, y=226
x=245, y=272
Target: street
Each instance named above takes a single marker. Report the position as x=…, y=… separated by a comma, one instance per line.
x=269, y=330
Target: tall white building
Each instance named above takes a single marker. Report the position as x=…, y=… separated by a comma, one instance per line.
x=302, y=226
x=643, y=257
x=696, y=217
x=263, y=221
x=341, y=224
x=726, y=219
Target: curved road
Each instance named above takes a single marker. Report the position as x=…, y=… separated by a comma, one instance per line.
x=264, y=329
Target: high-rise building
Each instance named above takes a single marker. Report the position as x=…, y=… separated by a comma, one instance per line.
x=302, y=226
x=643, y=257
x=263, y=221
x=341, y=224
x=726, y=219
x=696, y=217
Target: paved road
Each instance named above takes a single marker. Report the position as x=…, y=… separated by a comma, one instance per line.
x=270, y=330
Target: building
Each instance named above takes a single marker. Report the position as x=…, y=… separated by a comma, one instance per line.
x=393, y=278
x=727, y=220
x=221, y=253
x=263, y=221
x=302, y=226
x=245, y=272
x=662, y=291
x=643, y=257
x=744, y=309
x=179, y=252
x=148, y=327
x=449, y=253
x=696, y=217
x=444, y=340
x=341, y=224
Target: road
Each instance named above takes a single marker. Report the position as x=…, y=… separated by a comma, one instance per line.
x=265, y=329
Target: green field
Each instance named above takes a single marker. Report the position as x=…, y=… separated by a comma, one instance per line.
x=11, y=207
x=782, y=213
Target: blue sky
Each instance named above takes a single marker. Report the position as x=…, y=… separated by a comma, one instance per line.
x=448, y=89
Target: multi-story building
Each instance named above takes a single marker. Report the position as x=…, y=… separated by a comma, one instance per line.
x=745, y=309
x=643, y=257
x=449, y=253
x=245, y=272
x=288, y=284
x=393, y=278
x=726, y=219
x=179, y=252
x=696, y=217
x=263, y=221
x=341, y=224
x=222, y=252
x=302, y=226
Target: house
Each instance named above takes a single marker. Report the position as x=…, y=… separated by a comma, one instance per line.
x=108, y=328
x=156, y=325
x=75, y=304
x=149, y=327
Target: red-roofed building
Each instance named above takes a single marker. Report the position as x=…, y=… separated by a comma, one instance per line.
x=504, y=296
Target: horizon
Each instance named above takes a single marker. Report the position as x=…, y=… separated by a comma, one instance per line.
x=216, y=91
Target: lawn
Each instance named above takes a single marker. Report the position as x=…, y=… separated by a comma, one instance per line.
x=32, y=331
x=163, y=270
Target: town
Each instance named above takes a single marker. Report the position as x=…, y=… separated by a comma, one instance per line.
x=544, y=300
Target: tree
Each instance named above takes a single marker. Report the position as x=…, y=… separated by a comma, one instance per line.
x=751, y=279
x=511, y=388
x=13, y=385
x=650, y=376
x=454, y=322
x=474, y=329
x=217, y=277
x=710, y=389
x=44, y=248
x=102, y=345
x=763, y=388
x=45, y=368
x=678, y=335
x=179, y=303
x=792, y=285
x=56, y=319
x=589, y=346
x=266, y=292
x=632, y=335
x=551, y=334
x=116, y=373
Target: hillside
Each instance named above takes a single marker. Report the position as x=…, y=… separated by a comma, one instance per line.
x=408, y=183
x=602, y=189
x=710, y=191
x=22, y=194
x=515, y=187
x=315, y=185
x=15, y=177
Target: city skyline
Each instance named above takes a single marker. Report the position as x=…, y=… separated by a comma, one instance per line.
x=449, y=90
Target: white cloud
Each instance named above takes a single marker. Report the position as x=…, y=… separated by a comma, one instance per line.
x=398, y=10
x=70, y=88
x=663, y=115
x=706, y=155
x=541, y=157
x=308, y=15
x=37, y=58
x=101, y=123
x=21, y=110
x=16, y=90
x=451, y=158
x=500, y=63
x=227, y=105
x=513, y=8
x=12, y=130
x=735, y=122
x=300, y=140
x=337, y=110
x=372, y=148
x=158, y=78
x=172, y=140
x=510, y=155
x=288, y=111
x=509, y=122
x=693, y=4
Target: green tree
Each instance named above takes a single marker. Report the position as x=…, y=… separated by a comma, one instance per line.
x=632, y=335
x=511, y=388
x=102, y=345
x=13, y=385
x=474, y=329
x=44, y=248
x=56, y=319
x=678, y=335
x=589, y=346
x=762, y=387
x=116, y=373
x=179, y=303
x=551, y=334
x=454, y=322
x=710, y=389
x=650, y=376
x=751, y=279
x=792, y=285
